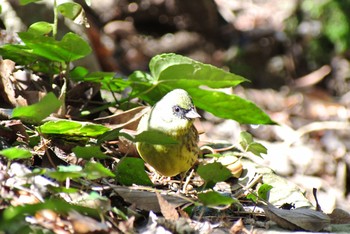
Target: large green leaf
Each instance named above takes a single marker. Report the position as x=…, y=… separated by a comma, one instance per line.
x=70, y=48
x=229, y=106
x=72, y=128
x=15, y=153
x=176, y=69
x=43, y=53
x=170, y=71
x=23, y=55
x=38, y=111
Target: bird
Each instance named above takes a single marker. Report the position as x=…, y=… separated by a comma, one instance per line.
x=172, y=116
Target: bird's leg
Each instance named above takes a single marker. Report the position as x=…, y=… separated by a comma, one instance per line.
x=183, y=175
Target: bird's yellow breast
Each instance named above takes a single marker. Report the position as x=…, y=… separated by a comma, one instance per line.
x=171, y=160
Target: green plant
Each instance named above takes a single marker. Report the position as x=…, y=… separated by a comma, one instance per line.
x=42, y=51
x=44, y=54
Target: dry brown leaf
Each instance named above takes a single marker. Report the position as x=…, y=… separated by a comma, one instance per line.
x=339, y=216
x=128, y=119
x=180, y=225
x=13, y=131
x=47, y=215
x=145, y=200
x=168, y=210
x=85, y=224
x=237, y=227
x=85, y=199
x=126, y=146
x=298, y=219
x=24, y=197
x=127, y=226
x=7, y=91
x=51, y=220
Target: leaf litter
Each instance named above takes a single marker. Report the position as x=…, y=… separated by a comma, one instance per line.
x=313, y=150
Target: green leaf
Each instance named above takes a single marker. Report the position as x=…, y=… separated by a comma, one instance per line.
x=155, y=138
x=70, y=10
x=89, y=152
x=38, y=111
x=96, y=170
x=175, y=68
x=64, y=172
x=245, y=139
x=229, y=107
x=252, y=196
x=72, y=128
x=264, y=191
x=15, y=214
x=15, y=153
x=70, y=48
x=54, y=189
x=213, y=172
x=257, y=149
x=73, y=11
x=170, y=71
x=40, y=28
x=142, y=84
x=213, y=198
x=109, y=135
x=78, y=73
x=25, y=2
x=107, y=80
x=131, y=171
x=248, y=144
x=36, y=172
x=23, y=55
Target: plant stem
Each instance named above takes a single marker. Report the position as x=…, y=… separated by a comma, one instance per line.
x=55, y=19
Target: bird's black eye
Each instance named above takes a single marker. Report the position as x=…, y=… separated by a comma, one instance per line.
x=179, y=112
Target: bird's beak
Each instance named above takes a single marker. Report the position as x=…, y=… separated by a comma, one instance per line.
x=192, y=114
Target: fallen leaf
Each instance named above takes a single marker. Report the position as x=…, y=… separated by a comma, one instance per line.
x=339, y=216
x=168, y=210
x=127, y=226
x=85, y=224
x=237, y=227
x=13, y=130
x=127, y=119
x=146, y=200
x=298, y=219
x=7, y=91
